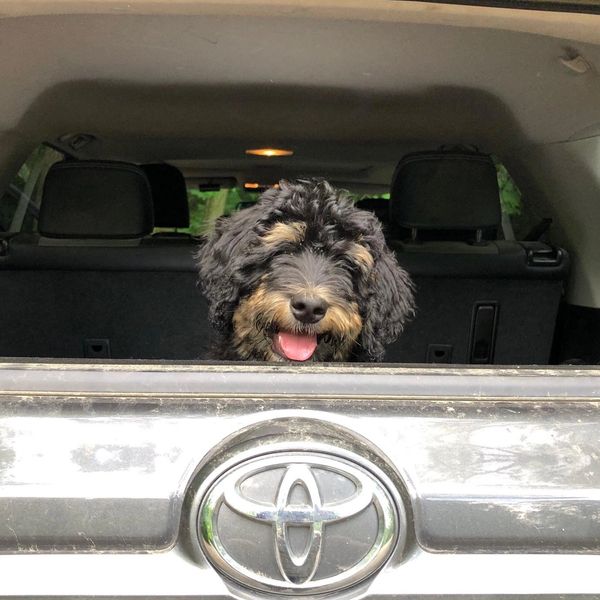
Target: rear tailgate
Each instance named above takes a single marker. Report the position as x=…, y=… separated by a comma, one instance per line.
x=498, y=471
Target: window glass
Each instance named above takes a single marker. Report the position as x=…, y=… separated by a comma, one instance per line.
x=361, y=197
x=207, y=206
x=20, y=204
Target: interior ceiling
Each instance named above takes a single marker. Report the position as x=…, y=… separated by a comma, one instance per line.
x=350, y=96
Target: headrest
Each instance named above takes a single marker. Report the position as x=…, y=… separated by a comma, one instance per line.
x=94, y=199
x=378, y=206
x=169, y=194
x=445, y=190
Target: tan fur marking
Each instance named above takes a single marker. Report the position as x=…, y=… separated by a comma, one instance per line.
x=251, y=318
x=362, y=256
x=285, y=232
x=341, y=322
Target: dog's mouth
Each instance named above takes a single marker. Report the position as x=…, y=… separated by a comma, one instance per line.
x=295, y=346
x=298, y=347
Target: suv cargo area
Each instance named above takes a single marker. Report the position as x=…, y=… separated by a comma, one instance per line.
x=135, y=464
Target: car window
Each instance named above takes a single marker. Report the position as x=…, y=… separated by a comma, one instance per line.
x=19, y=206
x=207, y=206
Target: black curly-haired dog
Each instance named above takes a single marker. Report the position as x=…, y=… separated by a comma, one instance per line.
x=303, y=275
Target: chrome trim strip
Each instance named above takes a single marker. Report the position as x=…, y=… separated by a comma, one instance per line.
x=355, y=381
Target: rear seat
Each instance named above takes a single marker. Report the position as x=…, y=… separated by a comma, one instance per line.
x=482, y=302
x=169, y=197
x=90, y=285
x=87, y=286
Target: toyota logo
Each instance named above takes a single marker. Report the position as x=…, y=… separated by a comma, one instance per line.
x=298, y=522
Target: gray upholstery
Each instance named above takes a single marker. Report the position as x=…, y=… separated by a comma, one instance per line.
x=95, y=200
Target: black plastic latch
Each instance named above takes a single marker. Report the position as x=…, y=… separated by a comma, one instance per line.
x=544, y=257
x=483, y=333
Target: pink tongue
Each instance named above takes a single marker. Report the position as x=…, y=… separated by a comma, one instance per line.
x=296, y=347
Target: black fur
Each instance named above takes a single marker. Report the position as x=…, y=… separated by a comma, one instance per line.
x=233, y=261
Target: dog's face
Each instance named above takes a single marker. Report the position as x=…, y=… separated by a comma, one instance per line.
x=304, y=275
x=305, y=304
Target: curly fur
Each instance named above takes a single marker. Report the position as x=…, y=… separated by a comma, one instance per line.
x=303, y=234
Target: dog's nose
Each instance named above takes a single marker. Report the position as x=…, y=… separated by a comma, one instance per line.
x=308, y=310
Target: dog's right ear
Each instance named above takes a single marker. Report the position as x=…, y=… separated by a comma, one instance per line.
x=390, y=302
x=220, y=261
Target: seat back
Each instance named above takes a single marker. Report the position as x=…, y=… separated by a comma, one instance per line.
x=76, y=291
x=479, y=300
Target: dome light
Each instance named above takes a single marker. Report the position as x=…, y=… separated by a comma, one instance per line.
x=269, y=152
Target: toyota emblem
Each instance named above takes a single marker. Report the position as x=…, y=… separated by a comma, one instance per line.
x=298, y=522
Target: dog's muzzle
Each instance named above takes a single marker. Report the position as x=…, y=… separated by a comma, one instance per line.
x=307, y=310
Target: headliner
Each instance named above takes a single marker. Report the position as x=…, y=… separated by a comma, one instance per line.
x=350, y=86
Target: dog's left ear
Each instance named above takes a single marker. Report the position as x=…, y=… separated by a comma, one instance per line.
x=390, y=302
x=221, y=261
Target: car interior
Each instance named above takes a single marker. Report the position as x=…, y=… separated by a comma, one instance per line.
x=118, y=131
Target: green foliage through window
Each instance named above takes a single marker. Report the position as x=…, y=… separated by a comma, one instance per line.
x=207, y=207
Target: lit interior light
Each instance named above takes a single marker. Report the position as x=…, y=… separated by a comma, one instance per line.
x=269, y=152
x=251, y=186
